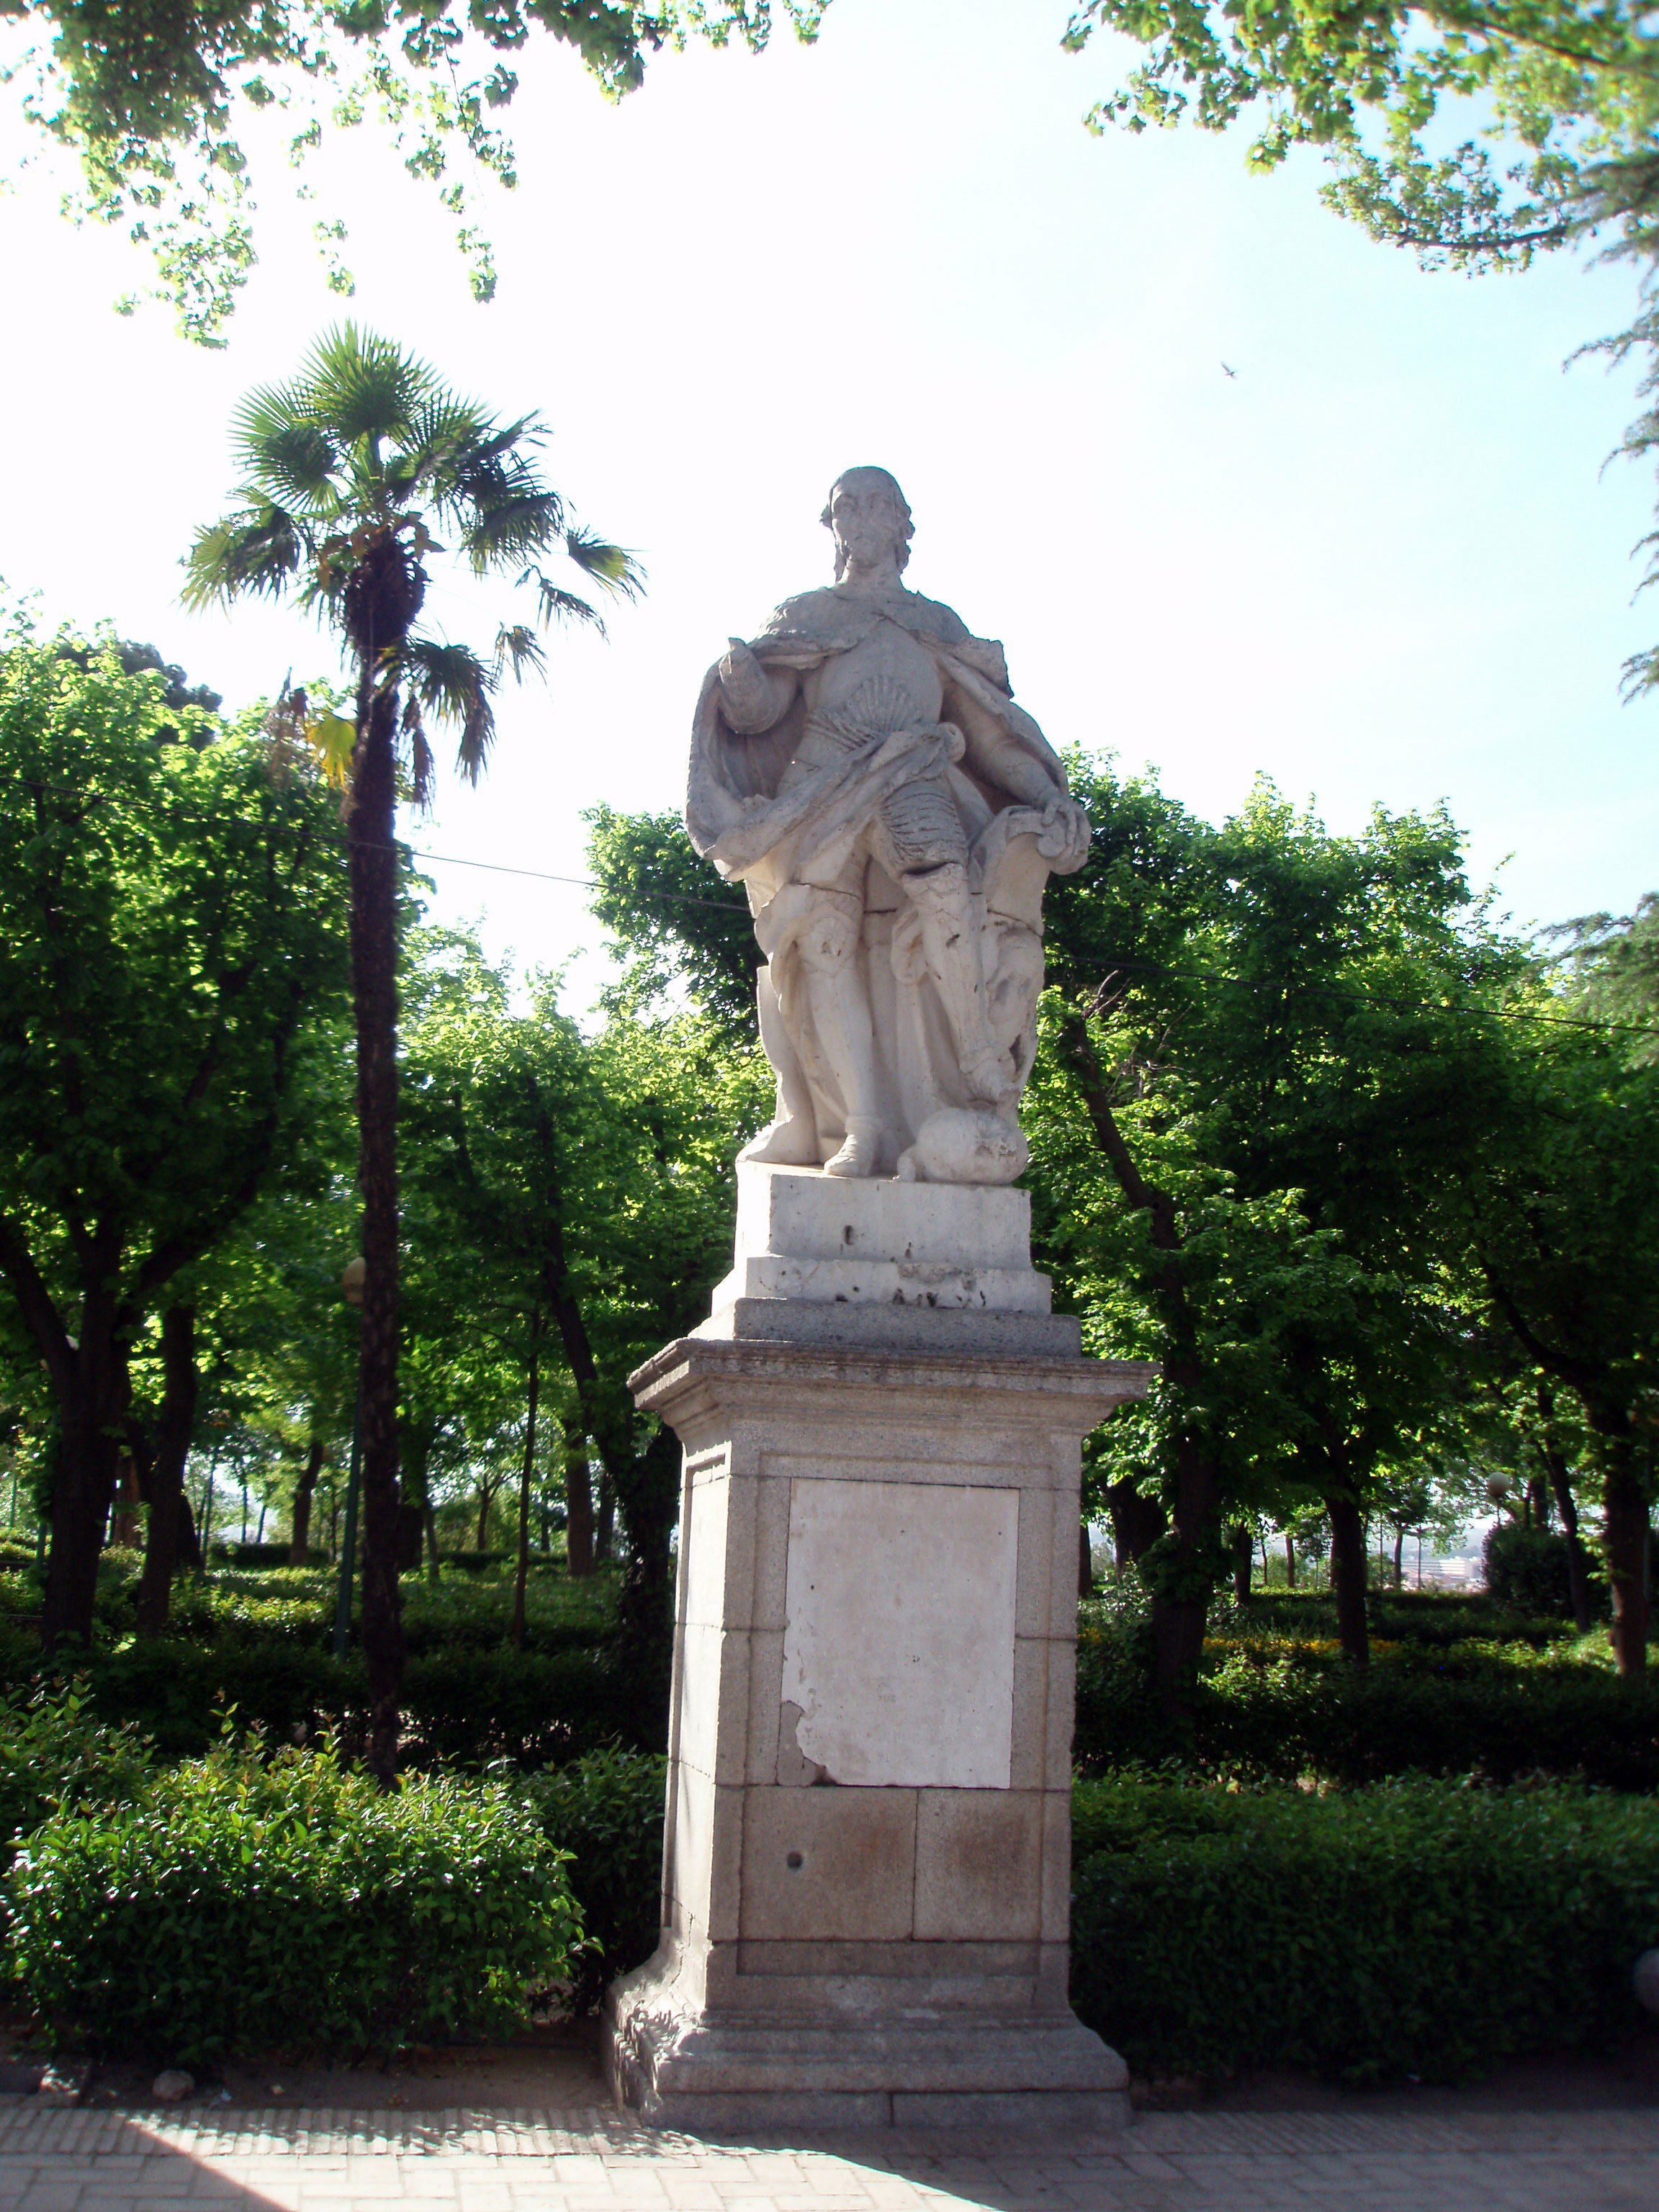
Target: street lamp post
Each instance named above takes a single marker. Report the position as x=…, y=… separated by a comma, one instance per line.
x=351, y=1283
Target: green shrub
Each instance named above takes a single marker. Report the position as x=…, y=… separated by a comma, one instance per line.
x=1416, y=1929
x=461, y=1707
x=54, y=1755
x=1467, y=1711
x=1527, y=1568
x=243, y=1903
x=606, y=1810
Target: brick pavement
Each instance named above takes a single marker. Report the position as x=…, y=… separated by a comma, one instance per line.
x=593, y=2160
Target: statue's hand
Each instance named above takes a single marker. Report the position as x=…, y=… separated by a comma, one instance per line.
x=749, y=697
x=1065, y=830
x=738, y=663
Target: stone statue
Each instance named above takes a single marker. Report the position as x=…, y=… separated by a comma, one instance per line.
x=863, y=770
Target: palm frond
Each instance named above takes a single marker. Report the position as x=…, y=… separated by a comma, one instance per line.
x=451, y=682
x=284, y=448
x=553, y=604
x=255, y=551
x=612, y=566
x=362, y=385
x=509, y=523
x=423, y=767
x=519, y=651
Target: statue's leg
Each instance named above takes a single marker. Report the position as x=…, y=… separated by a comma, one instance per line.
x=828, y=947
x=791, y=1140
x=922, y=841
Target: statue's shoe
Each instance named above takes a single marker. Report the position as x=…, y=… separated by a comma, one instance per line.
x=783, y=1145
x=860, y=1155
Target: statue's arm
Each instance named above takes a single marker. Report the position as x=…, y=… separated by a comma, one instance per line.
x=1003, y=762
x=754, y=698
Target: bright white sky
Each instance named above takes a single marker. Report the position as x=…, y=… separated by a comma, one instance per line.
x=1379, y=564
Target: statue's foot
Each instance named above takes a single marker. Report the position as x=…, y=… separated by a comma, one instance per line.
x=788, y=1143
x=860, y=1155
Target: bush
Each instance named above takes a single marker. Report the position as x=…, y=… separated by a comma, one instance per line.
x=1285, y=1715
x=1527, y=1568
x=606, y=1810
x=222, y=1554
x=1417, y=1928
x=461, y=1707
x=54, y=1755
x=242, y=1902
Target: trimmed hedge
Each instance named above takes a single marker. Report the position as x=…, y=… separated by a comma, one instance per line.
x=461, y=1706
x=1343, y=1725
x=238, y=1903
x=606, y=1810
x=1421, y=1928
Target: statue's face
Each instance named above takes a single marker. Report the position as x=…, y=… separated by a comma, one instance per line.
x=865, y=522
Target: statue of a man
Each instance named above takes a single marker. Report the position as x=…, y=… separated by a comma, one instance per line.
x=863, y=769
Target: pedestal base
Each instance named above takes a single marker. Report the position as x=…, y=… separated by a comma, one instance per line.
x=868, y=1856
x=682, y=2066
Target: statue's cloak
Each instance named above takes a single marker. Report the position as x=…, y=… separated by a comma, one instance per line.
x=732, y=808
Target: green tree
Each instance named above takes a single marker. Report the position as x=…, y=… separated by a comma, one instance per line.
x=1265, y=1071
x=593, y=1180
x=171, y=916
x=145, y=97
x=347, y=468
x=1564, y=1213
x=1558, y=101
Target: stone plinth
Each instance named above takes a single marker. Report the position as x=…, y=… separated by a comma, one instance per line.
x=867, y=1862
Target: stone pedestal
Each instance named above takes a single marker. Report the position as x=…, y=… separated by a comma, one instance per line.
x=867, y=1862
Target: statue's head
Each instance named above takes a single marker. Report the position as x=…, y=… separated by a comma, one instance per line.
x=867, y=512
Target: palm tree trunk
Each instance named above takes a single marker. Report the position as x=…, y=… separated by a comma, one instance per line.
x=373, y=874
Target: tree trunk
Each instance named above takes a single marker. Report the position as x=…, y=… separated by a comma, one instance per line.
x=486, y=1498
x=605, y=1520
x=1243, y=1558
x=1566, y=1507
x=1085, y=1562
x=1398, y=1556
x=1348, y=1576
x=88, y=1457
x=1627, y=1536
x=299, y=1539
x=1290, y=1560
x=173, y=1434
x=1182, y=1590
x=521, y=1580
x=578, y=1501
x=372, y=873
x=1136, y=1521
x=1185, y=1577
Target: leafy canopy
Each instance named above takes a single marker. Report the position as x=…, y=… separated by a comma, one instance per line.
x=171, y=915
x=144, y=95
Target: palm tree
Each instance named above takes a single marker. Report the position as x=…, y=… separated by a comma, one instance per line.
x=347, y=471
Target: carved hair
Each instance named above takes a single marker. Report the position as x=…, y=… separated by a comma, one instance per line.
x=896, y=500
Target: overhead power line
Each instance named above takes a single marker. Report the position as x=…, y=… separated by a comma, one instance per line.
x=1118, y=967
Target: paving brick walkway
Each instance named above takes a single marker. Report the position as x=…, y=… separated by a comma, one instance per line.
x=74, y=2161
